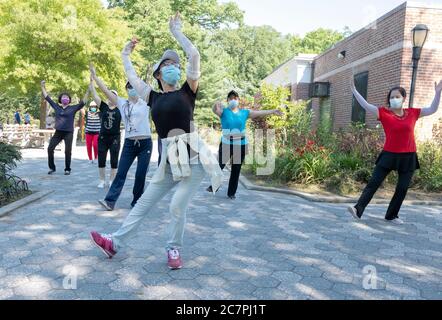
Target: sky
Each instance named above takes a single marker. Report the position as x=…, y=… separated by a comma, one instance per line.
x=302, y=16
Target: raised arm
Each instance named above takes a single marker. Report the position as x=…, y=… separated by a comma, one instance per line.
x=218, y=109
x=43, y=89
x=264, y=113
x=47, y=97
x=85, y=97
x=94, y=93
x=193, y=55
x=364, y=104
x=109, y=94
x=436, y=101
x=142, y=88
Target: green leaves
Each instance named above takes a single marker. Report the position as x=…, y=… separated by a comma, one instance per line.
x=54, y=40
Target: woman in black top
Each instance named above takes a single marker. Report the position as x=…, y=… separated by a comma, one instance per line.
x=64, y=126
x=109, y=138
x=172, y=112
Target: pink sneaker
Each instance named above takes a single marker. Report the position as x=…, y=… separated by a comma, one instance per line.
x=104, y=242
x=173, y=259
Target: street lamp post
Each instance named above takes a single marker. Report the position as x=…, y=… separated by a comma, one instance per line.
x=420, y=34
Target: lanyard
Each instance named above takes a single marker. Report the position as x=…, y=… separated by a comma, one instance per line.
x=128, y=114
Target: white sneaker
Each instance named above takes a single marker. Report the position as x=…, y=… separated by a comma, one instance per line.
x=91, y=161
x=353, y=212
x=396, y=221
x=101, y=184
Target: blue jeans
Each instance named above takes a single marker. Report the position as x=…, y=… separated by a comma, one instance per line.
x=140, y=149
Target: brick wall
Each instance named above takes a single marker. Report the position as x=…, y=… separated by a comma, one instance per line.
x=430, y=65
x=383, y=72
x=385, y=52
x=300, y=91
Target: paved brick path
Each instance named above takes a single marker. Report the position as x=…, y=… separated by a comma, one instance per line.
x=261, y=246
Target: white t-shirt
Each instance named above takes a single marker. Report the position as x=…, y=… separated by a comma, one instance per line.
x=135, y=118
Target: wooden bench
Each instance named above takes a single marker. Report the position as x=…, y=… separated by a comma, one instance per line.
x=29, y=136
x=20, y=135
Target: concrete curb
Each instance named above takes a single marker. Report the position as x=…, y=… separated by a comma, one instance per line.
x=328, y=199
x=23, y=202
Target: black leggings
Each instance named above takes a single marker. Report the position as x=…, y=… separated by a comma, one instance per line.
x=58, y=136
x=379, y=175
x=108, y=143
x=237, y=154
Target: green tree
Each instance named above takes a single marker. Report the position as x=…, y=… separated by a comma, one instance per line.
x=55, y=40
x=149, y=20
x=255, y=52
x=320, y=40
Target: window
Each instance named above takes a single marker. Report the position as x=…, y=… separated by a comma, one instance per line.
x=320, y=90
x=361, y=84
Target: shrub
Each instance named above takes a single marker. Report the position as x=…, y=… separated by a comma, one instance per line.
x=429, y=177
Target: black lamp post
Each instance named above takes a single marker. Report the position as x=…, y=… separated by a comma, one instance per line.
x=420, y=34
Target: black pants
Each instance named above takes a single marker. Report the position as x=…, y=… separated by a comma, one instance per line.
x=55, y=140
x=236, y=154
x=140, y=150
x=108, y=143
x=379, y=175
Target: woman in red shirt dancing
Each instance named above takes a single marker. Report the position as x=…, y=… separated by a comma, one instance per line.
x=399, y=153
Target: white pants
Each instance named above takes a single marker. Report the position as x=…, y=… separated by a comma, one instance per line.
x=186, y=189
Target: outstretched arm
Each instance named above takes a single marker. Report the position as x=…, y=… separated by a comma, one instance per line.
x=364, y=104
x=264, y=113
x=436, y=101
x=193, y=55
x=94, y=93
x=109, y=94
x=142, y=88
x=218, y=109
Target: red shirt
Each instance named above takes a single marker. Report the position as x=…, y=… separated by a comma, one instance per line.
x=399, y=131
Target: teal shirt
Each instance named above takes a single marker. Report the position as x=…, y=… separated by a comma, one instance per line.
x=234, y=123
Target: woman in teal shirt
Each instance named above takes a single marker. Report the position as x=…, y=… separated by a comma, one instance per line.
x=233, y=146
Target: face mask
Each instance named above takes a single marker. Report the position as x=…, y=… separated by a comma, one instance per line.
x=65, y=101
x=171, y=74
x=233, y=104
x=93, y=109
x=396, y=103
x=132, y=92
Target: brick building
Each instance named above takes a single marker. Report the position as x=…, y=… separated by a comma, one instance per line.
x=379, y=58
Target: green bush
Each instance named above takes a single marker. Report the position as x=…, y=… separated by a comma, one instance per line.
x=347, y=161
x=9, y=156
x=429, y=177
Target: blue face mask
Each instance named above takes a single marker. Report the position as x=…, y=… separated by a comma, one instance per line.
x=93, y=109
x=233, y=104
x=396, y=103
x=171, y=74
x=132, y=92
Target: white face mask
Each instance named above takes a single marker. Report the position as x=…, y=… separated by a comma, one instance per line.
x=396, y=103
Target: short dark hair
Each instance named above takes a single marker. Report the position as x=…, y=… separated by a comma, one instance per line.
x=128, y=85
x=64, y=94
x=232, y=94
x=400, y=89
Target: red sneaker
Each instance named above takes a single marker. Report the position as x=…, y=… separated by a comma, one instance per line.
x=104, y=242
x=174, y=259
